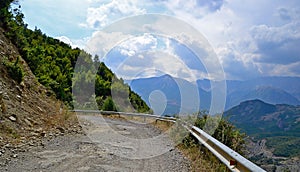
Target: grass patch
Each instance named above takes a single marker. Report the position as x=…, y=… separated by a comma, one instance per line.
x=9, y=131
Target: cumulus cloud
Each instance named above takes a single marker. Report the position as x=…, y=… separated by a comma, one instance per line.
x=106, y=13
x=159, y=61
x=196, y=8
x=279, y=45
x=75, y=43
x=102, y=42
x=140, y=43
x=253, y=39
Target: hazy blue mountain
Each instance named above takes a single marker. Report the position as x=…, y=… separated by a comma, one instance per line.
x=267, y=94
x=279, y=124
x=274, y=90
x=175, y=90
x=290, y=85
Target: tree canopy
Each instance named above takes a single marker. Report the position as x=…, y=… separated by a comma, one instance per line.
x=53, y=62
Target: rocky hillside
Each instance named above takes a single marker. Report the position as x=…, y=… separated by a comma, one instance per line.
x=262, y=120
x=275, y=133
x=28, y=111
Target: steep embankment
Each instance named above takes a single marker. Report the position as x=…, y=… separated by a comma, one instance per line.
x=28, y=110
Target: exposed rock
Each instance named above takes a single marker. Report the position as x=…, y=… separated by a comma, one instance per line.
x=23, y=107
x=62, y=130
x=40, y=109
x=12, y=118
x=28, y=122
x=19, y=97
x=43, y=134
x=5, y=96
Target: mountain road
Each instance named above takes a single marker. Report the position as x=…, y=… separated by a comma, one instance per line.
x=107, y=145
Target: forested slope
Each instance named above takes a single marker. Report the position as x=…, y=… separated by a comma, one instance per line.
x=53, y=62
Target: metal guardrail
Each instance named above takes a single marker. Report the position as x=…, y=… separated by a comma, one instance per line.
x=160, y=118
x=233, y=160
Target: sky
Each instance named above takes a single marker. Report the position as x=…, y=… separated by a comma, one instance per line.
x=249, y=38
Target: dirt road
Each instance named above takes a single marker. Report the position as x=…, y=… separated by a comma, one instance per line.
x=109, y=145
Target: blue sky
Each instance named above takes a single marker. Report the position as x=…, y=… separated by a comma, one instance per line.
x=250, y=38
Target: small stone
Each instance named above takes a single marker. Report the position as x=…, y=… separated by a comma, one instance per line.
x=40, y=109
x=12, y=118
x=28, y=122
x=15, y=156
x=62, y=130
x=43, y=134
x=39, y=130
x=19, y=97
x=22, y=84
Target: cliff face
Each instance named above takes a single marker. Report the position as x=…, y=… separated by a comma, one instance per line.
x=28, y=111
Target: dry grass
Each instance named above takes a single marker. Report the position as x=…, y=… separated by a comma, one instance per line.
x=201, y=159
x=60, y=117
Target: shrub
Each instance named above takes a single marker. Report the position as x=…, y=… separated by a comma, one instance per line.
x=109, y=105
x=15, y=70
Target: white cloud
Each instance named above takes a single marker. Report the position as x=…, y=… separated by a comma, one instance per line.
x=193, y=8
x=106, y=13
x=155, y=61
x=238, y=32
x=102, y=42
x=79, y=43
x=140, y=43
x=244, y=36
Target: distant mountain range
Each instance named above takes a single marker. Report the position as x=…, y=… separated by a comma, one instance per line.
x=273, y=90
x=256, y=117
x=180, y=94
x=278, y=124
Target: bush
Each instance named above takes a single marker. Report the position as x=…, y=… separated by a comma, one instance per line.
x=15, y=70
x=109, y=105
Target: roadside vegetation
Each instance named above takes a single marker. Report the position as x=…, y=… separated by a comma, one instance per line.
x=201, y=158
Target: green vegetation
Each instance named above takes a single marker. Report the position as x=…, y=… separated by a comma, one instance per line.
x=53, y=63
x=284, y=146
x=109, y=105
x=202, y=159
x=278, y=124
x=14, y=69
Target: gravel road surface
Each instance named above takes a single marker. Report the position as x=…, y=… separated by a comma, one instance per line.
x=108, y=145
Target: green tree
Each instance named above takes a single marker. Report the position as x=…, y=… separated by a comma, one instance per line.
x=109, y=105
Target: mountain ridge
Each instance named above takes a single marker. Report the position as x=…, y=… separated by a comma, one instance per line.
x=266, y=121
x=273, y=130
x=237, y=91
